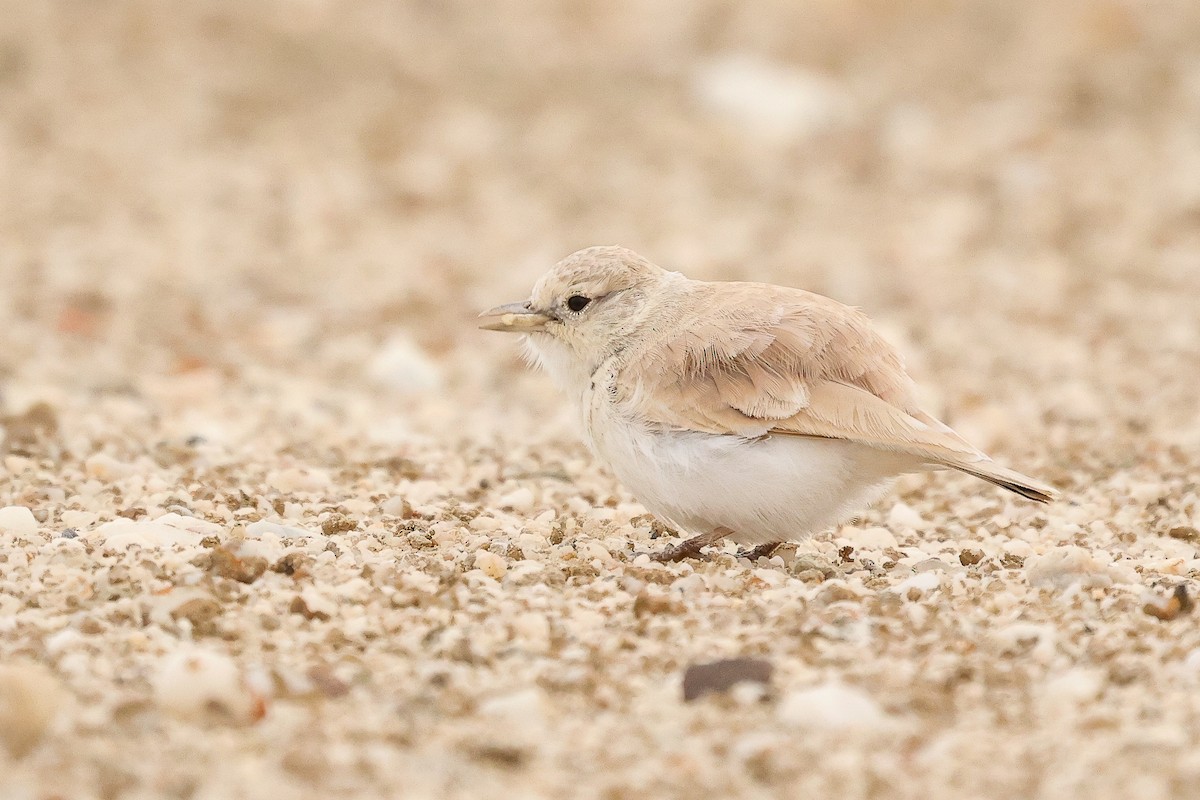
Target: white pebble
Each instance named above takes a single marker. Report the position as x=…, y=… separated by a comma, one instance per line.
x=317, y=603
x=104, y=467
x=264, y=528
x=519, y=704
x=532, y=629
x=918, y=585
x=1062, y=566
x=193, y=681
x=518, y=500
x=531, y=542
x=520, y=714
x=485, y=524
x=769, y=98
x=869, y=538
x=1073, y=687
x=590, y=549
x=395, y=506
x=17, y=520
x=830, y=706
x=902, y=515
x=78, y=519
x=312, y=479
x=491, y=564
x=30, y=697
x=401, y=365
x=122, y=533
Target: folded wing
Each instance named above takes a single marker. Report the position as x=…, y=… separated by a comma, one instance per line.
x=772, y=360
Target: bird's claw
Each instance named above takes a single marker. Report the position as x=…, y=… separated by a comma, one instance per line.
x=762, y=551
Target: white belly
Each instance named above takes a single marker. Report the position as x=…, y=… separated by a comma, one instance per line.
x=773, y=489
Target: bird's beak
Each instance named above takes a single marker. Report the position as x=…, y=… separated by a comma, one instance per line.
x=514, y=318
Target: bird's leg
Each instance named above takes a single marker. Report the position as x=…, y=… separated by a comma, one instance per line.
x=690, y=548
x=762, y=551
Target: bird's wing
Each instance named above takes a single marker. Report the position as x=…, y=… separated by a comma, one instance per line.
x=762, y=359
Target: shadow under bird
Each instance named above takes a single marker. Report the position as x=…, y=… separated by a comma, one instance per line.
x=744, y=411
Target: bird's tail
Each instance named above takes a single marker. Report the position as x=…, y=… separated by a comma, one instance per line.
x=1010, y=479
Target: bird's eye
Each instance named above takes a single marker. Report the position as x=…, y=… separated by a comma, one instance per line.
x=578, y=302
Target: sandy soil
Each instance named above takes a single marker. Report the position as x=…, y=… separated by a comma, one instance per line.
x=277, y=521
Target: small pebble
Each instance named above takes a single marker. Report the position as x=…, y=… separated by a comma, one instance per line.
x=491, y=564
x=518, y=500
x=195, y=682
x=721, y=676
x=17, y=520
x=1059, y=567
x=830, y=706
x=30, y=697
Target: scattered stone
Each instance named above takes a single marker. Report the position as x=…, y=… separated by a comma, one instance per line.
x=104, y=467
x=30, y=698
x=37, y=424
x=970, y=556
x=523, y=706
x=398, y=507
x=201, y=612
x=769, y=98
x=329, y=684
x=1168, y=608
x=836, y=592
x=401, y=365
x=874, y=538
x=903, y=516
x=919, y=585
x=804, y=565
x=1059, y=567
x=651, y=600
x=198, y=683
x=311, y=605
x=830, y=706
x=721, y=676
x=502, y=755
x=225, y=563
x=309, y=763
x=121, y=534
x=934, y=565
x=338, y=523
x=519, y=500
x=1074, y=687
x=1184, y=532
x=491, y=564
x=295, y=564
x=532, y=630
x=17, y=521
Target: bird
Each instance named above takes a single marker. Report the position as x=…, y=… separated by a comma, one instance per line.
x=748, y=412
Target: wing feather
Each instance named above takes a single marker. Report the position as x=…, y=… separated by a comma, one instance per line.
x=772, y=360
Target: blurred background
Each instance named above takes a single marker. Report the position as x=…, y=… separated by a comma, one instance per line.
x=318, y=196
x=242, y=247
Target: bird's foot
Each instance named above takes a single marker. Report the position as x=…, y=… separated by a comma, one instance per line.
x=689, y=548
x=679, y=552
x=762, y=551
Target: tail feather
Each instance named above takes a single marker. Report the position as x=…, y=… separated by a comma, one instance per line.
x=1012, y=480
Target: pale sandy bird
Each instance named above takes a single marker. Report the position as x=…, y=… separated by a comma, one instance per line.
x=743, y=411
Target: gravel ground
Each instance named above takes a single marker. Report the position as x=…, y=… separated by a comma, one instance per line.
x=278, y=521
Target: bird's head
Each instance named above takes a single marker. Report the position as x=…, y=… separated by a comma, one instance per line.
x=585, y=306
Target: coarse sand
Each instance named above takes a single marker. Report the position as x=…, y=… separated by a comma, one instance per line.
x=277, y=521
